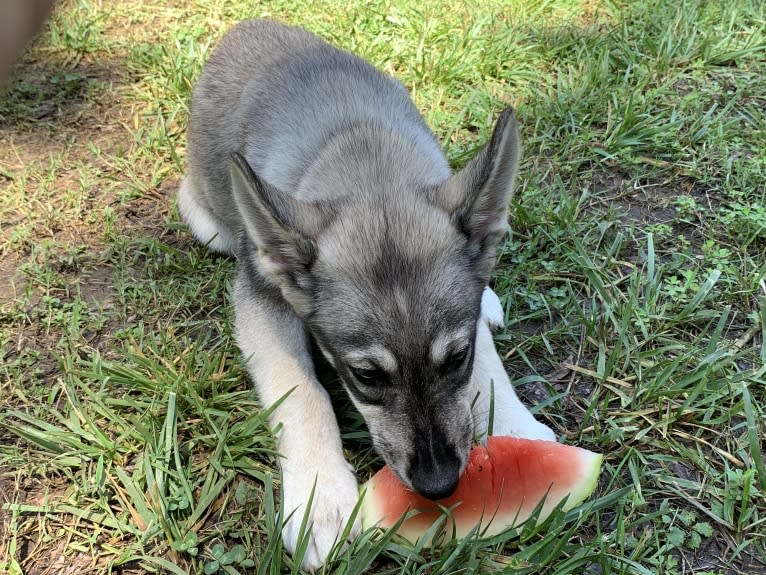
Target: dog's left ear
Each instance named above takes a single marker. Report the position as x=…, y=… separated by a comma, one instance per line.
x=477, y=196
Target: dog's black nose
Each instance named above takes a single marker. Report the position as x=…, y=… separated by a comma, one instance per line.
x=436, y=481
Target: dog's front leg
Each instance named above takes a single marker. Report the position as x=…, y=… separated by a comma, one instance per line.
x=273, y=340
x=491, y=386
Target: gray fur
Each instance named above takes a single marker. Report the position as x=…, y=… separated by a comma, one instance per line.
x=353, y=227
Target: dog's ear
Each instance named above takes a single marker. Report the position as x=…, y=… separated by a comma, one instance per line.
x=281, y=227
x=477, y=196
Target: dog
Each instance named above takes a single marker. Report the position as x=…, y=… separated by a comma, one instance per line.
x=352, y=235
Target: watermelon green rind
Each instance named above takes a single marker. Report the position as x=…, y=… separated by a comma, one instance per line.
x=591, y=470
x=514, y=511
x=370, y=513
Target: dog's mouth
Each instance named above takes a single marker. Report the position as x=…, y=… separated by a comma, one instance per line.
x=403, y=478
x=389, y=455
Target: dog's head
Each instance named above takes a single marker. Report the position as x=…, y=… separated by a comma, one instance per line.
x=389, y=283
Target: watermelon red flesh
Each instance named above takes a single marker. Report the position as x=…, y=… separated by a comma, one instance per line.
x=502, y=485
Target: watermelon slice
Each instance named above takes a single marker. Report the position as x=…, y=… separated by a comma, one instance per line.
x=502, y=485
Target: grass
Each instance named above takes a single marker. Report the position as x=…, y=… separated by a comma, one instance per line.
x=634, y=285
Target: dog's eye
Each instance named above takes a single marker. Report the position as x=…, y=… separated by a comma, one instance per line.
x=368, y=375
x=455, y=360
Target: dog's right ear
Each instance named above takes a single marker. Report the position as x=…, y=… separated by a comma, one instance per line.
x=282, y=228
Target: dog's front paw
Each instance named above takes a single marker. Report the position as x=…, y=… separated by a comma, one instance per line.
x=335, y=496
x=491, y=309
x=524, y=426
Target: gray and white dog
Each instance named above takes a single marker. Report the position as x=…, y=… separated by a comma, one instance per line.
x=317, y=171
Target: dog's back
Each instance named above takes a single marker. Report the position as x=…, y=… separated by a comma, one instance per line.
x=289, y=102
